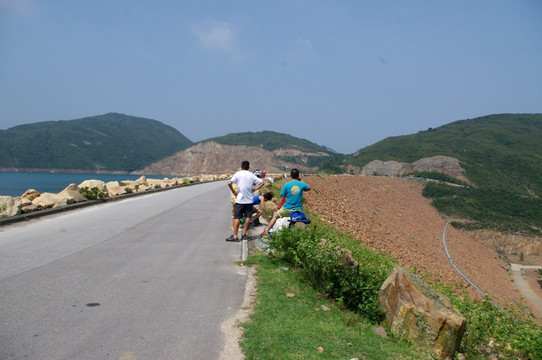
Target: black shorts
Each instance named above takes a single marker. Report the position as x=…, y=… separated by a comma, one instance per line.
x=243, y=210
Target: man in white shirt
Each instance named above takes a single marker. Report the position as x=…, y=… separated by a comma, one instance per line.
x=247, y=183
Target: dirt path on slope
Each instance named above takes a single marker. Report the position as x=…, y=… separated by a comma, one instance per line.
x=392, y=216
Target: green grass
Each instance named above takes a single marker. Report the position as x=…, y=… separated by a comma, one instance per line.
x=295, y=327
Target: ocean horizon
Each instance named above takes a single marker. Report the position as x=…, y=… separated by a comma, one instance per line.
x=16, y=183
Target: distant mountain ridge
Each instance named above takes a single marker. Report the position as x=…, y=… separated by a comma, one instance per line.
x=110, y=142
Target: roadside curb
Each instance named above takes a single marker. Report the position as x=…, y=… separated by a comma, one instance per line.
x=51, y=211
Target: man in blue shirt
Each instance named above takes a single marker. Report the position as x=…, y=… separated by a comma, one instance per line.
x=291, y=199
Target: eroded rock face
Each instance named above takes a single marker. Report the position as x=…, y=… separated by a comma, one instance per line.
x=417, y=312
x=443, y=164
x=382, y=168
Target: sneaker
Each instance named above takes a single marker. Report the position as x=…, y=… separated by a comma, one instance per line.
x=244, y=237
x=232, y=238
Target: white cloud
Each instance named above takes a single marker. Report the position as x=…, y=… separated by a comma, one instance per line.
x=218, y=36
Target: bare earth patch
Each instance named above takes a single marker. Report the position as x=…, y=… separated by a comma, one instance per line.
x=391, y=215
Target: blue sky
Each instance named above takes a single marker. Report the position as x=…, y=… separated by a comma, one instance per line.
x=344, y=74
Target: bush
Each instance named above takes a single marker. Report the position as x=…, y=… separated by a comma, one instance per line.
x=337, y=264
x=490, y=329
x=92, y=194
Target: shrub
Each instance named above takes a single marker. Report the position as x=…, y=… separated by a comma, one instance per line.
x=490, y=329
x=92, y=194
x=336, y=264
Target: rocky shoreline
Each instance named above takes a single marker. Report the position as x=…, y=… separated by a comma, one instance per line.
x=33, y=203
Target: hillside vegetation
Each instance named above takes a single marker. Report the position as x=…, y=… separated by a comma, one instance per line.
x=269, y=140
x=107, y=142
x=502, y=156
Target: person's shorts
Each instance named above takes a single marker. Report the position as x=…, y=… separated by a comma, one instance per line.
x=243, y=210
x=282, y=212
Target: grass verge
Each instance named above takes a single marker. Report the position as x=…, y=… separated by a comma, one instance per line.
x=291, y=320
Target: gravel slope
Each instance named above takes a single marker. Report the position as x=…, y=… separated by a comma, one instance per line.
x=392, y=216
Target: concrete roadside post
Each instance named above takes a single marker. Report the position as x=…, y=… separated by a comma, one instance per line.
x=244, y=250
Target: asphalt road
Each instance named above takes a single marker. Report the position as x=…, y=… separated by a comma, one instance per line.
x=148, y=277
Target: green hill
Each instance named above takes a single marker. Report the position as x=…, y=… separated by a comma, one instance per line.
x=502, y=156
x=269, y=140
x=107, y=142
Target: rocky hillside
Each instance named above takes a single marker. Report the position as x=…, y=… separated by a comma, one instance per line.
x=210, y=157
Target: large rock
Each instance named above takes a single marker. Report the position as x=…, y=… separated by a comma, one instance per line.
x=72, y=191
x=30, y=194
x=50, y=200
x=93, y=184
x=115, y=189
x=420, y=314
x=9, y=206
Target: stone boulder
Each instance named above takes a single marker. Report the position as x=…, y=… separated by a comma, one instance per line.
x=205, y=178
x=157, y=183
x=115, y=189
x=139, y=185
x=415, y=311
x=93, y=184
x=30, y=194
x=9, y=206
x=50, y=200
x=72, y=190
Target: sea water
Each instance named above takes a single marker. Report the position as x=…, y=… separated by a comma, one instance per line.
x=16, y=183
